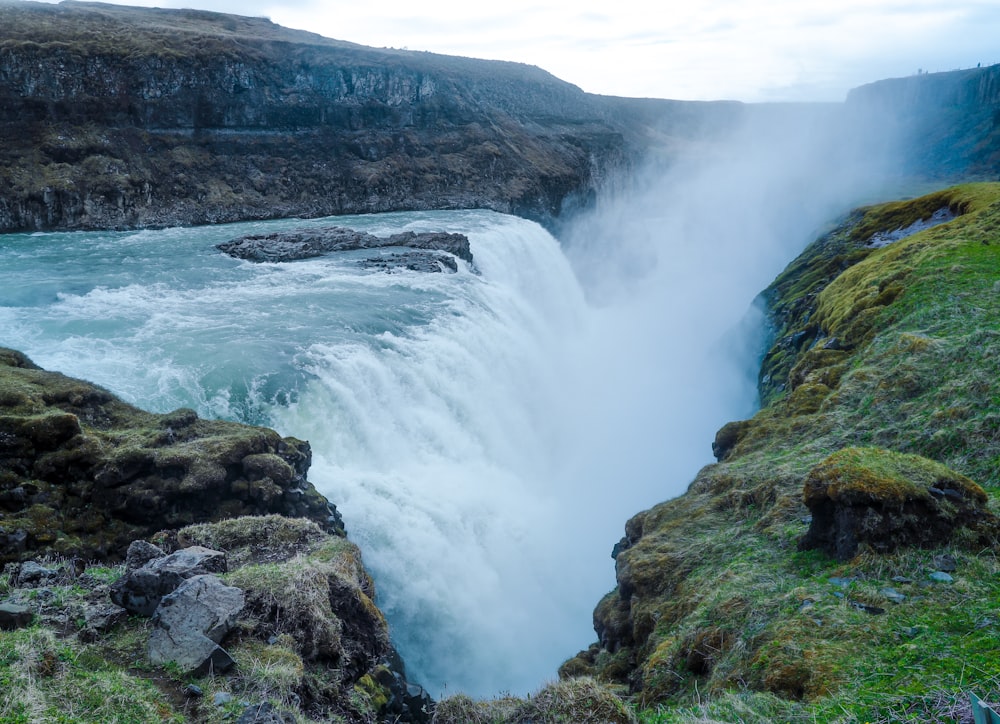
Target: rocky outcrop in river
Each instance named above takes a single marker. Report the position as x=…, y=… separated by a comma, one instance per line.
x=425, y=251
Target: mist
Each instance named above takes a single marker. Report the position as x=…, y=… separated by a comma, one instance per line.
x=670, y=266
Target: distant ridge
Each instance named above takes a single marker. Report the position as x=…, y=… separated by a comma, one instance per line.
x=128, y=117
x=951, y=120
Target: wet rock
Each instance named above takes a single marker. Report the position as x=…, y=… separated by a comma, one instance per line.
x=426, y=262
x=408, y=703
x=307, y=243
x=940, y=577
x=884, y=238
x=190, y=623
x=14, y=616
x=221, y=698
x=140, y=591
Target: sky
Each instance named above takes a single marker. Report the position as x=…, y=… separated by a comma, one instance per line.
x=764, y=50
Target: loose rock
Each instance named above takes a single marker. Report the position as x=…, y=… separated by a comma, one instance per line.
x=265, y=713
x=32, y=574
x=140, y=591
x=190, y=622
x=893, y=595
x=104, y=616
x=140, y=553
x=945, y=563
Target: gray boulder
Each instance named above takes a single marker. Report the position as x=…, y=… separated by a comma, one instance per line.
x=32, y=574
x=190, y=623
x=141, y=590
x=102, y=617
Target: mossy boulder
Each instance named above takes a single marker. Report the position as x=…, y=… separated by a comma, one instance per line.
x=310, y=604
x=83, y=473
x=886, y=500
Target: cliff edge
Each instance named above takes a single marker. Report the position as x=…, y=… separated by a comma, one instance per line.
x=839, y=562
x=96, y=621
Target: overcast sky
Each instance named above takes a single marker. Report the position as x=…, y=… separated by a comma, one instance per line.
x=750, y=50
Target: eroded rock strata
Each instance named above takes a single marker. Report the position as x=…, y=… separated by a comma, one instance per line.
x=119, y=117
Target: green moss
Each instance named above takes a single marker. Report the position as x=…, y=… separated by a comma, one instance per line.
x=879, y=474
x=374, y=694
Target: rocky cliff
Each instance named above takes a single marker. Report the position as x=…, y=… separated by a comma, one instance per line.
x=124, y=117
x=86, y=481
x=949, y=123
x=84, y=474
x=839, y=562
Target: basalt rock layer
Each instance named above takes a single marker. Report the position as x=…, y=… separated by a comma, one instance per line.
x=117, y=117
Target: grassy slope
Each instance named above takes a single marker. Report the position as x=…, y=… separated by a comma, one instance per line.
x=717, y=613
x=305, y=641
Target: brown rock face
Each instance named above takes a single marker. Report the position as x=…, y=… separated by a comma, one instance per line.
x=119, y=117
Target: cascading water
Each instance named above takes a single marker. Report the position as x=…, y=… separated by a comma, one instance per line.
x=436, y=404
x=485, y=434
